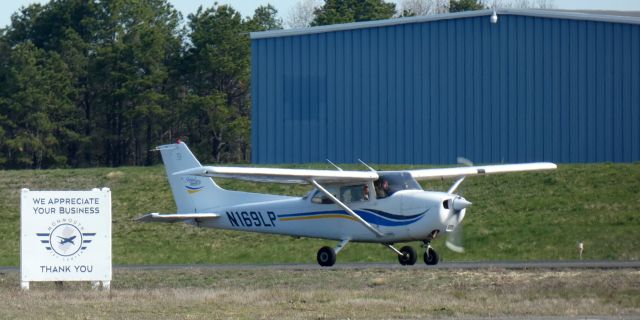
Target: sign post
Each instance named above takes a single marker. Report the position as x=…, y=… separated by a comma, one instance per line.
x=65, y=236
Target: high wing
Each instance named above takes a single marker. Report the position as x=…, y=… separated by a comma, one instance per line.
x=177, y=217
x=441, y=173
x=299, y=176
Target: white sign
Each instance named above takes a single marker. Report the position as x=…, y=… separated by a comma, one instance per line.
x=66, y=236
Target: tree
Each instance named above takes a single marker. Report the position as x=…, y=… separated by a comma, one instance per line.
x=423, y=7
x=465, y=5
x=265, y=18
x=343, y=11
x=38, y=115
x=301, y=14
x=521, y=4
x=217, y=73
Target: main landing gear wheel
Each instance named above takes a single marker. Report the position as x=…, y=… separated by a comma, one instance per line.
x=408, y=257
x=326, y=257
x=431, y=257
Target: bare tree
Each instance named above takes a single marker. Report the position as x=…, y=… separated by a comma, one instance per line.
x=422, y=7
x=301, y=14
x=520, y=4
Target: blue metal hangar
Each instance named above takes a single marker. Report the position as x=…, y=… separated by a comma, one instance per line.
x=530, y=86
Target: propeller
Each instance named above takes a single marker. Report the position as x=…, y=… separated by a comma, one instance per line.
x=457, y=208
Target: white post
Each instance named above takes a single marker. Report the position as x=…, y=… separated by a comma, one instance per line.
x=24, y=285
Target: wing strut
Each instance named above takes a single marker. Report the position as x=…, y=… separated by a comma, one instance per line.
x=344, y=206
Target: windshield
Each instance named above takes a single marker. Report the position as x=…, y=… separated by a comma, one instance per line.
x=392, y=182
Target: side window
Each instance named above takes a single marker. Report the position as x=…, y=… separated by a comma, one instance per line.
x=354, y=193
x=320, y=198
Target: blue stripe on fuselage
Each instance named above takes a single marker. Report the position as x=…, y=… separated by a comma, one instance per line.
x=373, y=216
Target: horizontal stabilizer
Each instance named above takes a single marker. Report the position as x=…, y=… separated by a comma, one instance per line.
x=177, y=217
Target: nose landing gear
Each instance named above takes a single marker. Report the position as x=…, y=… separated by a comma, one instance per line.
x=431, y=257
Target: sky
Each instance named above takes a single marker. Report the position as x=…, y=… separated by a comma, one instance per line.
x=246, y=7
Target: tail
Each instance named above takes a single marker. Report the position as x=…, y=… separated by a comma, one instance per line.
x=192, y=193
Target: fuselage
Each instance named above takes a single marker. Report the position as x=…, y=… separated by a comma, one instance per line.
x=404, y=216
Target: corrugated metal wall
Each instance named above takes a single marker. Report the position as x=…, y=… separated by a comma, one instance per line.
x=524, y=89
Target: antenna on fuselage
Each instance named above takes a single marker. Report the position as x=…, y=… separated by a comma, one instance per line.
x=333, y=164
x=366, y=165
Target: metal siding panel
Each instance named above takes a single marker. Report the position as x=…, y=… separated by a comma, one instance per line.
x=538, y=80
x=278, y=101
x=332, y=73
x=578, y=95
x=385, y=86
x=590, y=67
x=346, y=139
x=340, y=95
x=616, y=93
x=625, y=124
x=529, y=89
x=608, y=143
x=466, y=76
x=393, y=107
x=453, y=110
x=297, y=99
x=599, y=92
x=447, y=93
x=313, y=109
x=323, y=126
x=287, y=105
x=475, y=102
x=633, y=92
x=355, y=128
x=379, y=135
x=255, y=126
x=425, y=75
x=407, y=142
x=374, y=106
x=504, y=83
x=417, y=93
x=263, y=103
x=438, y=96
x=364, y=101
x=305, y=105
x=566, y=120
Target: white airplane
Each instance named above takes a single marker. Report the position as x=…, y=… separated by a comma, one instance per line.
x=383, y=207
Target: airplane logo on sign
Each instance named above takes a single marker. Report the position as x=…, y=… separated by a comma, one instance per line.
x=66, y=240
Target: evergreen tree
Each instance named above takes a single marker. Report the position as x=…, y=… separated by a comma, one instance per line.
x=343, y=11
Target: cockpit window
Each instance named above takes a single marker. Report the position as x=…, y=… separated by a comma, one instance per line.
x=392, y=182
x=352, y=193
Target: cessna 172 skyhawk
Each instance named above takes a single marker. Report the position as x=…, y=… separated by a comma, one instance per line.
x=384, y=207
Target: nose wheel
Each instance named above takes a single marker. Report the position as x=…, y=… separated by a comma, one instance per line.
x=431, y=257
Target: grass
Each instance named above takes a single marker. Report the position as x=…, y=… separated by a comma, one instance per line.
x=521, y=216
x=332, y=293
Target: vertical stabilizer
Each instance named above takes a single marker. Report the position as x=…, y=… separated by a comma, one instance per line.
x=191, y=193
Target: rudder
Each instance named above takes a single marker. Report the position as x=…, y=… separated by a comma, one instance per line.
x=191, y=193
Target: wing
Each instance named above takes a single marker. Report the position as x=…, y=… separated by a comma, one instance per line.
x=177, y=217
x=300, y=176
x=432, y=174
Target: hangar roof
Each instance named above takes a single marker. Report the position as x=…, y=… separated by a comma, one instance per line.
x=630, y=17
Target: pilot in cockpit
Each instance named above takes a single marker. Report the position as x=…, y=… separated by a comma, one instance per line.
x=382, y=188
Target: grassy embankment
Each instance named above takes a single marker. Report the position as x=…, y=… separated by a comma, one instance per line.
x=521, y=216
